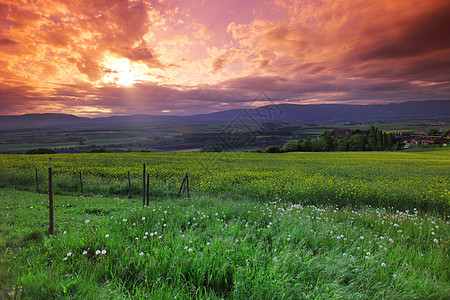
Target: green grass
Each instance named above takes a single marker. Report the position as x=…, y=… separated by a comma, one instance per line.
x=217, y=248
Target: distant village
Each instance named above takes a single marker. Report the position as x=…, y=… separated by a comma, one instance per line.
x=409, y=138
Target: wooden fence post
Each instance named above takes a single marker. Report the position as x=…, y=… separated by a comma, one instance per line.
x=143, y=186
x=81, y=184
x=50, y=200
x=184, y=185
x=37, y=181
x=187, y=184
x=148, y=189
x=129, y=185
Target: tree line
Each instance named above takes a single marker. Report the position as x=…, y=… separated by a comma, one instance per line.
x=358, y=140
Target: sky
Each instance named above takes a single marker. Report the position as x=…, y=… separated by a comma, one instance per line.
x=168, y=57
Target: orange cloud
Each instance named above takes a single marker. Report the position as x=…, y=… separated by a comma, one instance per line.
x=119, y=56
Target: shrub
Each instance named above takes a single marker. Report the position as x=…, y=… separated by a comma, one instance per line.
x=273, y=149
x=290, y=147
x=212, y=148
x=41, y=151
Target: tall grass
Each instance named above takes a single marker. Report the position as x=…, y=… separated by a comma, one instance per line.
x=213, y=248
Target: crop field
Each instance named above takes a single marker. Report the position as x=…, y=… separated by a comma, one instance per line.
x=348, y=225
x=400, y=180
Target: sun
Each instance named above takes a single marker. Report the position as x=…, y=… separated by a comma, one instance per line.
x=122, y=72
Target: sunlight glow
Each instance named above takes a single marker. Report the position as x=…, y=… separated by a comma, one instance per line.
x=123, y=72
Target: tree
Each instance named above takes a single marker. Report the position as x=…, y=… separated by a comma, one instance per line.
x=317, y=145
x=290, y=147
x=307, y=145
x=342, y=144
x=299, y=145
x=273, y=149
x=434, y=132
x=328, y=143
x=356, y=143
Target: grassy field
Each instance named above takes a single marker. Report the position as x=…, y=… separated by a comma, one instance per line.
x=211, y=248
x=400, y=180
x=366, y=225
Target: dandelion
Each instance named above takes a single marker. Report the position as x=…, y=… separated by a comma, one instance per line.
x=97, y=252
x=106, y=235
x=103, y=252
x=383, y=265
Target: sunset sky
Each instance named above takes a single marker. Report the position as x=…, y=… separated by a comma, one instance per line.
x=117, y=57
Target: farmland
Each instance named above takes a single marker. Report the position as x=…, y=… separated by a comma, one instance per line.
x=257, y=226
x=401, y=180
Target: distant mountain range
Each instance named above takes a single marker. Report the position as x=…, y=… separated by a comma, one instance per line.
x=281, y=112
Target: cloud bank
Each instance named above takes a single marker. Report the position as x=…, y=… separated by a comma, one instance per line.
x=112, y=57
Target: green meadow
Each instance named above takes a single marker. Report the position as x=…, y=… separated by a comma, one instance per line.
x=365, y=225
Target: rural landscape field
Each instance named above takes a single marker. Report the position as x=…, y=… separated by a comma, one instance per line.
x=256, y=226
x=226, y=149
